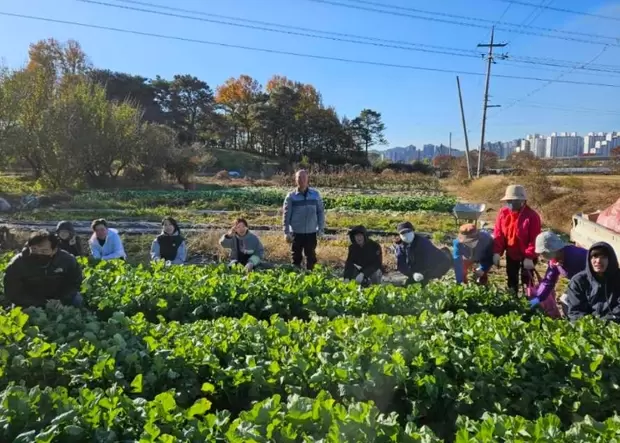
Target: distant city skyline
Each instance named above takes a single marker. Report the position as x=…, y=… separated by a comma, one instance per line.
x=554, y=145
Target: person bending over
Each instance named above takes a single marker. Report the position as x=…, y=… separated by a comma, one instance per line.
x=245, y=247
x=169, y=245
x=472, y=249
x=42, y=272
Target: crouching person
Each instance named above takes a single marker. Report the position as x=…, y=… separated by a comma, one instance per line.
x=105, y=243
x=43, y=272
x=365, y=259
x=245, y=247
x=68, y=240
x=418, y=258
x=169, y=245
x=472, y=250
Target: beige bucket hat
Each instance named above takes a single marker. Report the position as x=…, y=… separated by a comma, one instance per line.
x=515, y=192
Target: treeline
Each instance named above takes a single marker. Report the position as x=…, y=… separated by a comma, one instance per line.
x=70, y=122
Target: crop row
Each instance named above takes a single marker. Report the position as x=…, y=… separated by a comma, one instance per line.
x=50, y=414
x=244, y=198
x=187, y=293
x=431, y=368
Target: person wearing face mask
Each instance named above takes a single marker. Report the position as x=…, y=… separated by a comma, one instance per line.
x=418, y=258
x=564, y=260
x=105, y=243
x=169, y=245
x=472, y=249
x=67, y=240
x=365, y=258
x=515, y=232
x=596, y=291
x=246, y=248
x=43, y=272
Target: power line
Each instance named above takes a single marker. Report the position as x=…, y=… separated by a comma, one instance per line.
x=487, y=23
x=558, y=9
x=301, y=31
x=533, y=15
x=291, y=53
x=550, y=82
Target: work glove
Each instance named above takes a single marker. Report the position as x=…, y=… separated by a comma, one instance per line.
x=528, y=264
x=417, y=277
x=289, y=238
x=496, y=259
x=249, y=267
x=168, y=263
x=479, y=272
x=360, y=278
x=534, y=302
x=72, y=241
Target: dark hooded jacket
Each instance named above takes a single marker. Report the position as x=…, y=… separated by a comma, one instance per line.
x=423, y=257
x=589, y=294
x=73, y=245
x=369, y=256
x=28, y=282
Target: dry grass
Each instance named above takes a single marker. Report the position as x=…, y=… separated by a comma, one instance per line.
x=330, y=251
x=557, y=199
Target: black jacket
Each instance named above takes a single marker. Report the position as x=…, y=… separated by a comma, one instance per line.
x=423, y=257
x=29, y=283
x=369, y=256
x=74, y=245
x=598, y=296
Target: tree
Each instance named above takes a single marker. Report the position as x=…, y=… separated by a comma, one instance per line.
x=238, y=98
x=444, y=162
x=368, y=129
x=188, y=104
x=133, y=88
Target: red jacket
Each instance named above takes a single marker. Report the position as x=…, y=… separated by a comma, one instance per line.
x=529, y=226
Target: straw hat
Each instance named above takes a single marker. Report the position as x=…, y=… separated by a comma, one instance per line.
x=515, y=192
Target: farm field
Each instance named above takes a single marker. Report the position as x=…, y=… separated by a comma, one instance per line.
x=205, y=354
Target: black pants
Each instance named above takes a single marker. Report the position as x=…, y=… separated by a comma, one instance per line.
x=514, y=271
x=304, y=244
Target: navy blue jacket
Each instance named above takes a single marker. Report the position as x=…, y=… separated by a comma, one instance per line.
x=423, y=257
x=599, y=296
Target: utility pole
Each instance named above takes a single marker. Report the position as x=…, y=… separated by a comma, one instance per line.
x=485, y=105
x=458, y=84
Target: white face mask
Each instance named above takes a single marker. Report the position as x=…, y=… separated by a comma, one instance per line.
x=407, y=237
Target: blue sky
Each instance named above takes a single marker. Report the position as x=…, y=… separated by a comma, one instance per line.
x=418, y=107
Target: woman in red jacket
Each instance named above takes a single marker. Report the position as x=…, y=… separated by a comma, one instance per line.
x=516, y=229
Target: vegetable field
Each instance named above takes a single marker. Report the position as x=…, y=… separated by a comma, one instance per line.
x=189, y=354
x=241, y=198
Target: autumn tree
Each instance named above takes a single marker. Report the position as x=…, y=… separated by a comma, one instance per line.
x=239, y=97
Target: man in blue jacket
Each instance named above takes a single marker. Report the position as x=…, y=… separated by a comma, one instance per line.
x=596, y=291
x=418, y=258
x=303, y=219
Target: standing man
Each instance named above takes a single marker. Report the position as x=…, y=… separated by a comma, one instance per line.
x=43, y=272
x=303, y=219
